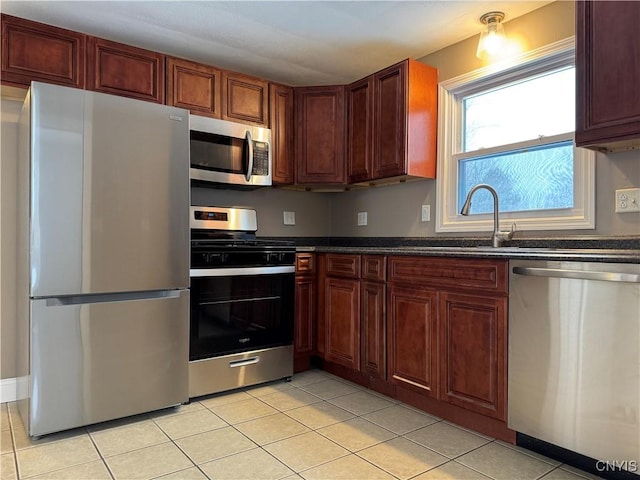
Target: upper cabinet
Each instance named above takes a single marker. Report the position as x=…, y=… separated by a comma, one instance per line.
x=194, y=86
x=391, y=124
x=608, y=75
x=281, y=123
x=379, y=129
x=359, y=100
x=33, y=51
x=245, y=99
x=319, y=136
x=124, y=70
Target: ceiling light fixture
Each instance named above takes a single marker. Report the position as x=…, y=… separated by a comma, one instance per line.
x=492, y=39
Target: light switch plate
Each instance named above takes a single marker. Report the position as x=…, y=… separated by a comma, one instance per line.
x=426, y=213
x=289, y=218
x=362, y=219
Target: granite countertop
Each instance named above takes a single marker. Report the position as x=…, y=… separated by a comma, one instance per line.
x=591, y=249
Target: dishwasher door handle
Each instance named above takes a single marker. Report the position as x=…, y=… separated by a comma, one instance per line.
x=578, y=274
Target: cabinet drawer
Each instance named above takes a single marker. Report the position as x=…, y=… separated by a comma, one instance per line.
x=488, y=276
x=374, y=268
x=347, y=266
x=305, y=263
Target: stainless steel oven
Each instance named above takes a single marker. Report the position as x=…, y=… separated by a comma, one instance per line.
x=242, y=302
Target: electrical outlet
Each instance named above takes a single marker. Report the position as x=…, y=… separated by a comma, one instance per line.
x=289, y=218
x=628, y=200
x=426, y=213
x=362, y=219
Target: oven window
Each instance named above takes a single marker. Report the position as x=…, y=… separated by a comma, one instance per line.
x=240, y=313
x=219, y=153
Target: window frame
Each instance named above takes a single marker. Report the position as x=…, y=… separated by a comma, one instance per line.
x=450, y=126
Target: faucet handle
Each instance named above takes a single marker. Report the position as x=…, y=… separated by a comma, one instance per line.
x=501, y=236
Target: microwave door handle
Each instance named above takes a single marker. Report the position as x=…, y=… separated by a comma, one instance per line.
x=249, y=141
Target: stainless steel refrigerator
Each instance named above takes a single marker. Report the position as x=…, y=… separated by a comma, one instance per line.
x=104, y=250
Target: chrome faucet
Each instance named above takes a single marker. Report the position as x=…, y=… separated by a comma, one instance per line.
x=498, y=236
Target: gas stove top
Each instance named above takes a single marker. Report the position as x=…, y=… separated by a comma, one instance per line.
x=225, y=237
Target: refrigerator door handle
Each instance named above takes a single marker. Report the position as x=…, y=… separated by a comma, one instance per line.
x=111, y=297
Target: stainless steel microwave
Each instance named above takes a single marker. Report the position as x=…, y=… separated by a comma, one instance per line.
x=224, y=152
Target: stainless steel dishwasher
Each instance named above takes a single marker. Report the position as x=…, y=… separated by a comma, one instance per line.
x=574, y=357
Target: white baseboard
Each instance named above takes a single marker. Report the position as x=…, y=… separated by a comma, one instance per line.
x=13, y=389
x=8, y=390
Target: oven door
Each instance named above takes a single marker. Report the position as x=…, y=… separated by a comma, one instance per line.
x=240, y=309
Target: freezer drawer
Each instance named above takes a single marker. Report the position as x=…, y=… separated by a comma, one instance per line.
x=100, y=361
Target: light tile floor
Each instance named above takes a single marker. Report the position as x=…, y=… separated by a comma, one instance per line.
x=317, y=426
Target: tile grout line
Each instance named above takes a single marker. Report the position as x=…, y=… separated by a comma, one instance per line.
x=13, y=443
x=180, y=449
x=104, y=461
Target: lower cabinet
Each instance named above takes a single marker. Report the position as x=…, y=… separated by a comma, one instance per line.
x=430, y=331
x=304, y=340
x=373, y=357
x=473, y=340
x=413, y=339
x=341, y=310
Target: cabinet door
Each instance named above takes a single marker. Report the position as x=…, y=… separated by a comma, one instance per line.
x=373, y=329
x=281, y=123
x=473, y=337
x=245, y=99
x=412, y=338
x=34, y=51
x=359, y=99
x=124, y=70
x=320, y=135
x=342, y=323
x=389, y=152
x=304, y=322
x=607, y=74
x=193, y=86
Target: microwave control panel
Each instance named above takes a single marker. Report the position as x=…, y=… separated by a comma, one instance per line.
x=260, y=158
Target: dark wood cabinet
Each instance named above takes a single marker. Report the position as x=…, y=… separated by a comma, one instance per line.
x=305, y=311
x=373, y=321
x=342, y=336
x=447, y=323
x=430, y=331
x=319, y=136
x=32, y=51
x=359, y=102
x=281, y=114
x=391, y=124
x=473, y=339
x=412, y=343
x=342, y=310
x=194, y=86
x=245, y=99
x=607, y=75
x=125, y=70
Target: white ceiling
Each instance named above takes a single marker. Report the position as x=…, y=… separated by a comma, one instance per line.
x=293, y=42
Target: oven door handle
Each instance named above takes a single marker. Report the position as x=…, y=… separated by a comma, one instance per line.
x=233, y=272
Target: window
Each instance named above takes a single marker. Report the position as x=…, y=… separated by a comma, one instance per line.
x=512, y=127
